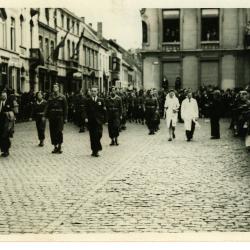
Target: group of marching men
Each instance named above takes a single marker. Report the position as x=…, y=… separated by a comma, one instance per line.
x=93, y=110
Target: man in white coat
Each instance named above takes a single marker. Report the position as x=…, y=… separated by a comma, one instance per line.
x=190, y=114
x=171, y=112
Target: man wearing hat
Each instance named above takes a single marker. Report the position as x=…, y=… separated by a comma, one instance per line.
x=190, y=114
x=96, y=111
x=57, y=112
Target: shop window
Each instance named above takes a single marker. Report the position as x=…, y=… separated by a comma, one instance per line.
x=144, y=32
x=210, y=25
x=171, y=25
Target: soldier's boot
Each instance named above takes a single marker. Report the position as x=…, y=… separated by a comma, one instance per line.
x=59, y=149
x=112, y=142
x=41, y=144
x=116, y=141
x=55, y=150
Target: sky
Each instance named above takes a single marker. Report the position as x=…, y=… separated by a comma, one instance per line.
x=121, y=21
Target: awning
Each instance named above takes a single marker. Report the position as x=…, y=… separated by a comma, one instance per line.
x=210, y=13
x=171, y=14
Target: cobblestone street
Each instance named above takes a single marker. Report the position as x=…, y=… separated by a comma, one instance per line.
x=147, y=184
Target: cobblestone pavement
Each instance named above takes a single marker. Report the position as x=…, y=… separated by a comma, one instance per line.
x=147, y=184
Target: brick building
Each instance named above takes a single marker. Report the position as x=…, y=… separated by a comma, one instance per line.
x=201, y=46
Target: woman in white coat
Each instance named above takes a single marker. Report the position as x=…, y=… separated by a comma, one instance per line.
x=171, y=111
x=190, y=114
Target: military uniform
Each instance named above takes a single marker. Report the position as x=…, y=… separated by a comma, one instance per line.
x=80, y=109
x=151, y=107
x=57, y=111
x=38, y=116
x=124, y=111
x=114, y=113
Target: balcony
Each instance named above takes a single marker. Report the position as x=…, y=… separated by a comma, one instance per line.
x=72, y=65
x=210, y=45
x=171, y=47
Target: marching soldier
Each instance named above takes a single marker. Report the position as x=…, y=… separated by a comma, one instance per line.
x=123, y=96
x=151, y=109
x=80, y=107
x=114, y=114
x=38, y=116
x=57, y=111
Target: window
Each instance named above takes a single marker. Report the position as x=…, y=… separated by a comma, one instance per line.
x=46, y=49
x=77, y=29
x=62, y=50
x=3, y=41
x=31, y=33
x=41, y=43
x=116, y=64
x=210, y=25
x=73, y=49
x=13, y=34
x=52, y=47
x=73, y=27
x=144, y=32
x=68, y=24
x=87, y=57
x=171, y=25
x=68, y=49
x=21, y=30
x=62, y=20
x=83, y=55
x=47, y=14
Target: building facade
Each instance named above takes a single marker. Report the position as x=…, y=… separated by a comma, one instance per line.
x=15, y=42
x=29, y=38
x=200, y=46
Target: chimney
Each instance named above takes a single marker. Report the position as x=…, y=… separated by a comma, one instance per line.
x=99, y=30
x=83, y=19
x=90, y=24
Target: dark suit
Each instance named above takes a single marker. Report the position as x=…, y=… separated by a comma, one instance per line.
x=6, y=120
x=95, y=111
x=57, y=112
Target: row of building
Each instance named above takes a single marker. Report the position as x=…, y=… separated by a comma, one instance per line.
x=29, y=37
x=200, y=46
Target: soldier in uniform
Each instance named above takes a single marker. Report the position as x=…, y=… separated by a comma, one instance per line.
x=151, y=109
x=57, y=111
x=123, y=96
x=7, y=118
x=114, y=114
x=95, y=110
x=140, y=100
x=38, y=116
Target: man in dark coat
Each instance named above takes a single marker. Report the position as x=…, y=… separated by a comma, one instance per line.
x=6, y=119
x=215, y=109
x=57, y=112
x=151, y=108
x=114, y=114
x=95, y=110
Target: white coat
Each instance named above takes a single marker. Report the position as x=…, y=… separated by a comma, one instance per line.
x=172, y=105
x=189, y=111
